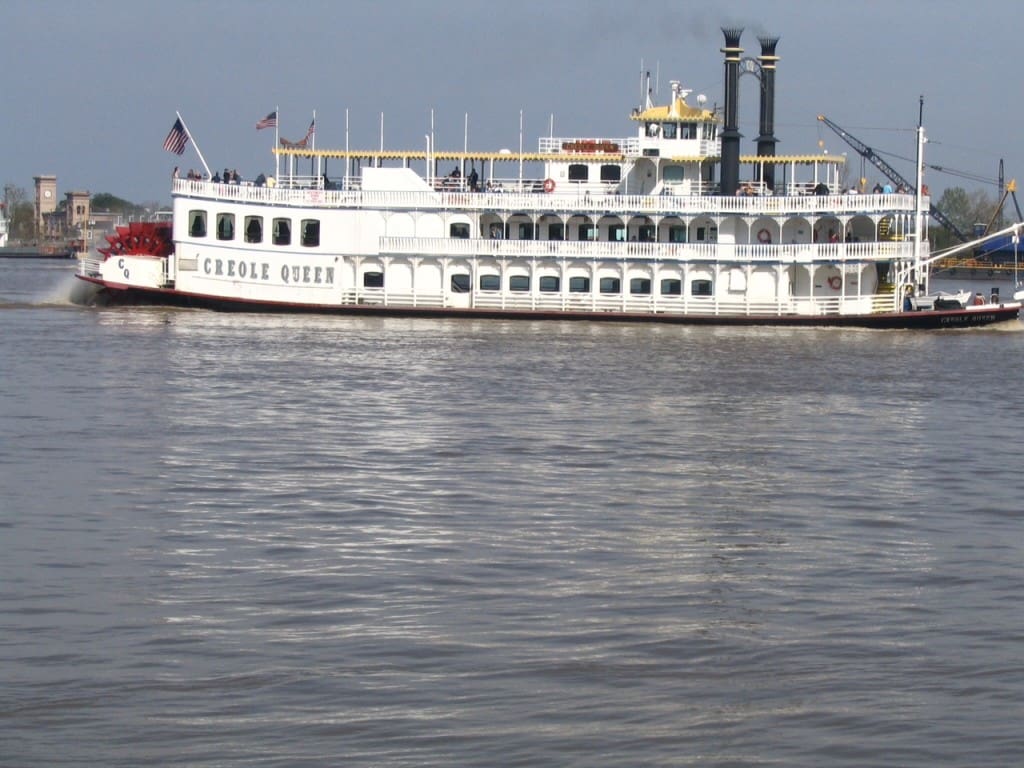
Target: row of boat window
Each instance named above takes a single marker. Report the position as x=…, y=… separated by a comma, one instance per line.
x=645, y=233
x=253, y=228
x=638, y=286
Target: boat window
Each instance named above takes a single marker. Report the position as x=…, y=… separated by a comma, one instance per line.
x=646, y=233
x=519, y=283
x=556, y=231
x=579, y=285
x=677, y=234
x=579, y=172
x=668, y=130
x=549, y=284
x=282, y=231
x=610, y=285
x=611, y=173
x=673, y=174
x=461, y=283
x=373, y=279
x=525, y=231
x=490, y=283
x=689, y=131
x=588, y=232
x=701, y=288
x=671, y=287
x=459, y=231
x=225, y=226
x=311, y=232
x=254, y=229
x=197, y=223
x=640, y=286
x=616, y=233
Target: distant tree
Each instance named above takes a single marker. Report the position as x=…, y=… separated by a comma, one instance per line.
x=965, y=210
x=20, y=212
x=104, y=201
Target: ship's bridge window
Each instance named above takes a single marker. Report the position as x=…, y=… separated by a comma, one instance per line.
x=653, y=129
x=311, y=232
x=197, y=223
x=668, y=130
x=579, y=285
x=254, y=229
x=225, y=226
x=490, y=282
x=611, y=173
x=373, y=279
x=549, y=284
x=689, y=131
x=461, y=283
x=282, y=232
x=671, y=287
x=519, y=283
x=579, y=172
x=701, y=288
x=610, y=285
x=459, y=231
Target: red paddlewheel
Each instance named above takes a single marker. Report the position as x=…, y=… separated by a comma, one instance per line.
x=140, y=238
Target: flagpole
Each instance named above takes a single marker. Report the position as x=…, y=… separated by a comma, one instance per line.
x=277, y=143
x=196, y=146
x=312, y=145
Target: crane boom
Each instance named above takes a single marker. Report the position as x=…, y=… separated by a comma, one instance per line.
x=869, y=154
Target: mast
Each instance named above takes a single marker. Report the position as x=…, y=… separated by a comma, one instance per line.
x=920, y=274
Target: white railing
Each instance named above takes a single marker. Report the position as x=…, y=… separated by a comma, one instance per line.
x=602, y=250
x=572, y=200
x=648, y=304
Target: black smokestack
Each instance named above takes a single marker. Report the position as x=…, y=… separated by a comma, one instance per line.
x=730, y=131
x=766, y=141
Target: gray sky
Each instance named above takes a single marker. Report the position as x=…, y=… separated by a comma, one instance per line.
x=91, y=87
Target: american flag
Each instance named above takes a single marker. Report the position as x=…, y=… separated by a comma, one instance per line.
x=176, y=139
x=312, y=128
x=270, y=121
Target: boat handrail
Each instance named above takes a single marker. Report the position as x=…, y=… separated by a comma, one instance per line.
x=824, y=253
x=579, y=199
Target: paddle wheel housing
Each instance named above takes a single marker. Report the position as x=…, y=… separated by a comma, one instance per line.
x=140, y=238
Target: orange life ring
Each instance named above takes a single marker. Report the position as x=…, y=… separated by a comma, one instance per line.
x=835, y=282
x=549, y=185
x=764, y=236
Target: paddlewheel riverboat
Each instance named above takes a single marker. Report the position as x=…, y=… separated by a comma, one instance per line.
x=668, y=224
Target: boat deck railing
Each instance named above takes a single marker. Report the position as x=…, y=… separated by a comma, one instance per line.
x=571, y=200
x=591, y=250
x=823, y=306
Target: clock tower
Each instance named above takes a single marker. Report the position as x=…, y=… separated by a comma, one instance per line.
x=46, y=198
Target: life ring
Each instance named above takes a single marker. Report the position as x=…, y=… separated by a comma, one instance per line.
x=549, y=185
x=835, y=282
x=764, y=236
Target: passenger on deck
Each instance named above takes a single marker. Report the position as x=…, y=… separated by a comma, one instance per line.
x=979, y=299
